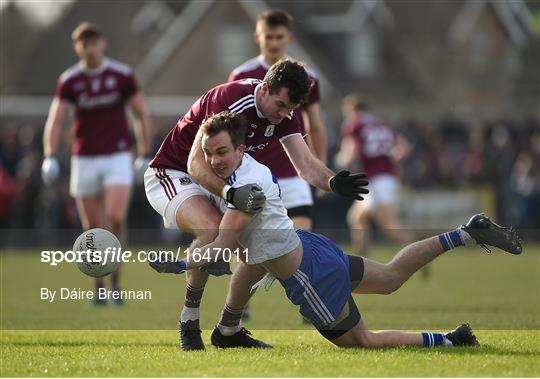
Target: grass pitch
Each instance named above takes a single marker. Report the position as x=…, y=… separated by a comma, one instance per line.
x=296, y=354
x=498, y=294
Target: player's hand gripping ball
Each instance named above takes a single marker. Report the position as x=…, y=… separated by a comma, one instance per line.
x=101, y=245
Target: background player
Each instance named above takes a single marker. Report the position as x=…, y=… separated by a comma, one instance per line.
x=101, y=163
x=378, y=149
x=314, y=271
x=273, y=35
x=179, y=180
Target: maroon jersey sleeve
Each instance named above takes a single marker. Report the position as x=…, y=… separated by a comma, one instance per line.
x=129, y=86
x=64, y=91
x=291, y=126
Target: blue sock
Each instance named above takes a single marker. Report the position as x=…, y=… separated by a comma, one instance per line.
x=183, y=265
x=434, y=339
x=451, y=240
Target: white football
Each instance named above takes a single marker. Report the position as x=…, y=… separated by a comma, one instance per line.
x=101, y=244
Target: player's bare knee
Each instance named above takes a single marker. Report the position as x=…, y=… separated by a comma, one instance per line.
x=205, y=236
x=207, y=229
x=392, y=281
x=389, y=289
x=392, y=285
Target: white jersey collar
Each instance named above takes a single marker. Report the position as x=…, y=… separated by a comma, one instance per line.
x=257, y=88
x=242, y=163
x=94, y=71
x=265, y=64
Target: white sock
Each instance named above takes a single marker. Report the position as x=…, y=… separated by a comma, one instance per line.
x=189, y=314
x=228, y=330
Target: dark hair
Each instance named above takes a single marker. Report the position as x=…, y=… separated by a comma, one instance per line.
x=275, y=17
x=291, y=74
x=85, y=31
x=233, y=123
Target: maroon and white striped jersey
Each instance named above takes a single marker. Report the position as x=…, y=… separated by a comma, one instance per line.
x=237, y=97
x=99, y=97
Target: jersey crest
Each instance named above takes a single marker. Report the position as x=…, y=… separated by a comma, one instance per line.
x=269, y=132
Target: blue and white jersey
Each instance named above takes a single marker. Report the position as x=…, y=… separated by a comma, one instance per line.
x=270, y=234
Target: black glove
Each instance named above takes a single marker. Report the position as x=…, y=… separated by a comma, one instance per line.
x=166, y=264
x=217, y=268
x=249, y=198
x=350, y=185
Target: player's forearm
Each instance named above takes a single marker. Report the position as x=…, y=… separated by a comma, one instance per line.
x=142, y=135
x=199, y=257
x=318, y=140
x=317, y=174
x=142, y=124
x=53, y=127
x=51, y=137
x=316, y=131
x=306, y=164
x=213, y=251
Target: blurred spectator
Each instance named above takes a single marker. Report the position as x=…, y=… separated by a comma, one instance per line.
x=10, y=155
x=499, y=157
x=525, y=181
x=8, y=190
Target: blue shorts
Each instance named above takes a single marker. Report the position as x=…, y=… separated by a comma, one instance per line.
x=321, y=285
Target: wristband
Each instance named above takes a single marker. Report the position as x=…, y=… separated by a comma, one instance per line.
x=225, y=190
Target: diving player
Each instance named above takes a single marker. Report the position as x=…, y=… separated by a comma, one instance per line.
x=315, y=273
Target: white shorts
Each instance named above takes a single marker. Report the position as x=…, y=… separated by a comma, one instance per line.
x=91, y=174
x=167, y=189
x=383, y=190
x=295, y=192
